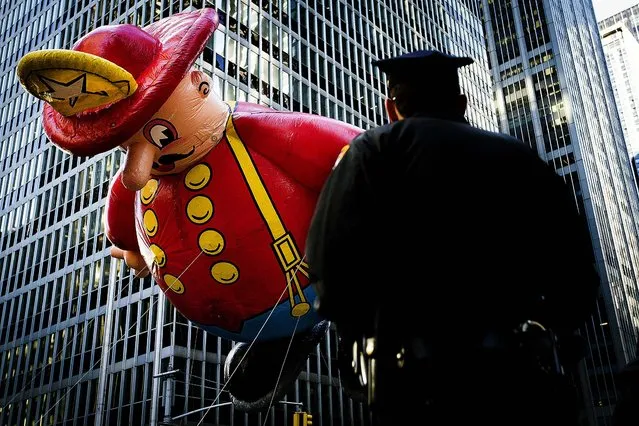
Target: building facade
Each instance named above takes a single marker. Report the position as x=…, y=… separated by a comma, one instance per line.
x=553, y=91
x=622, y=57
x=628, y=17
x=83, y=341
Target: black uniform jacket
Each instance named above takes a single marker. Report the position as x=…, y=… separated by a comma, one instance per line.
x=446, y=227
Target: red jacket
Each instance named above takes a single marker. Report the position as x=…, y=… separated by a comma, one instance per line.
x=225, y=238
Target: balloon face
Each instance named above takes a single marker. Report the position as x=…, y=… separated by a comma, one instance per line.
x=188, y=125
x=181, y=129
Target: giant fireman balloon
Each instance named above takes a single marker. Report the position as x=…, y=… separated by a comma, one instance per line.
x=214, y=197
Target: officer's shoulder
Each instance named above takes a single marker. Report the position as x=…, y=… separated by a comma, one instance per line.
x=421, y=125
x=372, y=139
x=414, y=128
x=500, y=137
x=500, y=141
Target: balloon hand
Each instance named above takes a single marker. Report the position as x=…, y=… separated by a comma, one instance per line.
x=133, y=260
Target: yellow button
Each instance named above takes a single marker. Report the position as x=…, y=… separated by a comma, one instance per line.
x=174, y=283
x=198, y=177
x=225, y=273
x=147, y=194
x=150, y=223
x=158, y=255
x=199, y=209
x=211, y=242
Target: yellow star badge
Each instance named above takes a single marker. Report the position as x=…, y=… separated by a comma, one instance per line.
x=70, y=90
x=73, y=82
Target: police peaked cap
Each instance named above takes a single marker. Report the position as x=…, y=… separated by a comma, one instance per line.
x=424, y=68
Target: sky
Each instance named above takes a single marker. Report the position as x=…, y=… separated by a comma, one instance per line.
x=606, y=8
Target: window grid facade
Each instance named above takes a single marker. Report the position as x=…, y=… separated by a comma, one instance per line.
x=628, y=17
x=622, y=57
x=81, y=338
x=552, y=91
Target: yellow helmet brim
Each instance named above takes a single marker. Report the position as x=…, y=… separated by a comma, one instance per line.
x=73, y=82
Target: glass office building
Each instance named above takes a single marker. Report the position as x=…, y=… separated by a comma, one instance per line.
x=628, y=17
x=553, y=91
x=81, y=340
x=622, y=57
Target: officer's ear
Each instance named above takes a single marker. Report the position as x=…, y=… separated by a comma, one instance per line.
x=391, y=110
x=461, y=104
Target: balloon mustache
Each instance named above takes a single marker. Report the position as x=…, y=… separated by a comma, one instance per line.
x=171, y=159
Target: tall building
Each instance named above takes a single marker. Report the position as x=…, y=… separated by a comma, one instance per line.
x=81, y=340
x=628, y=17
x=622, y=57
x=553, y=91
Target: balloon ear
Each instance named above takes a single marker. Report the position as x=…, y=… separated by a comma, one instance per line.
x=201, y=82
x=196, y=76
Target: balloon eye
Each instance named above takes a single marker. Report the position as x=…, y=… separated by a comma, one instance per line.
x=204, y=88
x=160, y=132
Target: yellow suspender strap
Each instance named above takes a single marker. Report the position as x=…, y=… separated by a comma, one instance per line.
x=283, y=244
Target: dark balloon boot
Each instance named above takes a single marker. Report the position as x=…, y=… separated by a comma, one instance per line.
x=254, y=384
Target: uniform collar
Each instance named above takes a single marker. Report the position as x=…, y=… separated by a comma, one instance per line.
x=443, y=116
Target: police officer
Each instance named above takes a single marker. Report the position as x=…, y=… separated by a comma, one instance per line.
x=455, y=257
x=627, y=383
